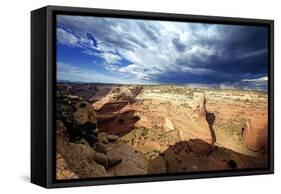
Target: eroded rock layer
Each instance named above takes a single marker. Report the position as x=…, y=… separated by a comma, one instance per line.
x=83, y=151
x=111, y=130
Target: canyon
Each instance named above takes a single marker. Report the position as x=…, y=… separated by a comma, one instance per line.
x=120, y=130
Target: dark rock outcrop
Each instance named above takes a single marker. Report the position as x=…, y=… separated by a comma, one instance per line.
x=78, y=117
x=186, y=157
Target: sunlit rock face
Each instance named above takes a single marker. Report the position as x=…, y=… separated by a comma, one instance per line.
x=255, y=134
x=204, y=131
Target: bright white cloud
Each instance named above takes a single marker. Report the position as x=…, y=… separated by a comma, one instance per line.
x=110, y=58
x=137, y=71
x=256, y=83
x=72, y=73
x=259, y=84
x=261, y=79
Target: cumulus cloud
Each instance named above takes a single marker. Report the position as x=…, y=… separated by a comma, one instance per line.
x=135, y=70
x=153, y=50
x=261, y=79
x=260, y=83
x=69, y=72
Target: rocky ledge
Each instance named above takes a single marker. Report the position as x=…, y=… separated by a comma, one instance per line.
x=83, y=151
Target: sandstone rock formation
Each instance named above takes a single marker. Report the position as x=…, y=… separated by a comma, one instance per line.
x=204, y=132
x=107, y=160
x=83, y=151
x=200, y=147
x=168, y=125
x=197, y=125
x=62, y=170
x=255, y=134
x=132, y=130
x=112, y=116
x=133, y=162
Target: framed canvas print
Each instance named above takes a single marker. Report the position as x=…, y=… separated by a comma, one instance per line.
x=125, y=96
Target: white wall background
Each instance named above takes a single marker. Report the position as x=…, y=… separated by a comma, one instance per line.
x=15, y=94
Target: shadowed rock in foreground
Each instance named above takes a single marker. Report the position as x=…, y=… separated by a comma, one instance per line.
x=186, y=157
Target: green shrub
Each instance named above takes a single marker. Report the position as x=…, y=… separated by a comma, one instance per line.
x=83, y=105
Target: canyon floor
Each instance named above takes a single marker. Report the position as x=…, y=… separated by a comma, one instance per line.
x=120, y=130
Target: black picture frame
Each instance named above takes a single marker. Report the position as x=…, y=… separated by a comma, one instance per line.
x=43, y=81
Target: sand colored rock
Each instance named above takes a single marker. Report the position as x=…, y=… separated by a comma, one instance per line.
x=168, y=124
x=84, y=113
x=133, y=163
x=204, y=132
x=167, y=129
x=84, y=158
x=79, y=159
x=255, y=134
x=62, y=170
x=112, y=116
x=112, y=137
x=195, y=125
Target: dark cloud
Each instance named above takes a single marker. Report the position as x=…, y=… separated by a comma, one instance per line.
x=178, y=44
x=243, y=50
x=150, y=30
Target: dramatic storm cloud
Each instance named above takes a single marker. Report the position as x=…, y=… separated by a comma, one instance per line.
x=111, y=50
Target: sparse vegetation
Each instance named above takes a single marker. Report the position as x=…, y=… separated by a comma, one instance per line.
x=186, y=105
x=83, y=105
x=144, y=132
x=233, y=127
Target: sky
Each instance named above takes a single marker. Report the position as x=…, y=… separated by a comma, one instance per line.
x=130, y=51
